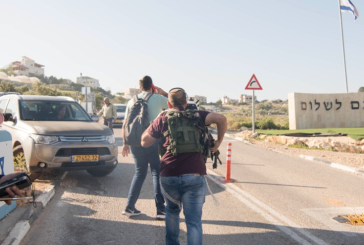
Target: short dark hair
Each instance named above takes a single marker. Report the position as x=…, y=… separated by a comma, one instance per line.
x=177, y=98
x=146, y=83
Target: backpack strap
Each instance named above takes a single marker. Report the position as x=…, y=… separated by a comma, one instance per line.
x=135, y=98
x=146, y=98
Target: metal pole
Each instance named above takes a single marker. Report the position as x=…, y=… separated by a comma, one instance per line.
x=86, y=99
x=342, y=41
x=253, y=112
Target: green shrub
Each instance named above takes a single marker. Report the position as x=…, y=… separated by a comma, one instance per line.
x=266, y=123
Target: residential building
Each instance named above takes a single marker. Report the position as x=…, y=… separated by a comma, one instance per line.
x=88, y=81
x=200, y=98
x=130, y=92
x=225, y=100
x=27, y=67
x=247, y=98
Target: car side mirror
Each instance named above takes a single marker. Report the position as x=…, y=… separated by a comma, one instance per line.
x=95, y=118
x=8, y=117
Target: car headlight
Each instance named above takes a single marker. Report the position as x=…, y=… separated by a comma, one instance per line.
x=43, y=139
x=110, y=138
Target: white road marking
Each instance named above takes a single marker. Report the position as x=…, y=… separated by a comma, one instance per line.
x=266, y=212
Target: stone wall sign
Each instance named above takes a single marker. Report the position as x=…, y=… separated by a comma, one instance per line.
x=326, y=110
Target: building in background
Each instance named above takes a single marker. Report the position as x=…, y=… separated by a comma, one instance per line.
x=88, y=81
x=27, y=67
x=225, y=100
x=130, y=92
x=200, y=98
x=247, y=98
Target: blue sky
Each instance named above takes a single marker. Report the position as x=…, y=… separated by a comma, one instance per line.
x=208, y=47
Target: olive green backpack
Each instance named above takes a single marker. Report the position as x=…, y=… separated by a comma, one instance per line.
x=186, y=132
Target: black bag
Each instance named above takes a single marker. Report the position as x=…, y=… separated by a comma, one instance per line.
x=137, y=121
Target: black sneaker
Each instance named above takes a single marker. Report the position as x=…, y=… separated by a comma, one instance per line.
x=161, y=215
x=131, y=212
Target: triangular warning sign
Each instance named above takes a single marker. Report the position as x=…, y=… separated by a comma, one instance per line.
x=253, y=84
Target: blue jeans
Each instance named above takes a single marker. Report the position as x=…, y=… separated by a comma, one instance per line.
x=143, y=156
x=187, y=191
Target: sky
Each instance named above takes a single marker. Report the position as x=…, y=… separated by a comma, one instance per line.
x=209, y=47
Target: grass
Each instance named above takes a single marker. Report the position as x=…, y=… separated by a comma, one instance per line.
x=354, y=133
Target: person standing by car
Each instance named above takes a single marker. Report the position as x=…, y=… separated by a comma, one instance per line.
x=182, y=174
x=108, y=112
x=142, y=156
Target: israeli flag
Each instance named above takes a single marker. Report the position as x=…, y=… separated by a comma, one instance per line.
x=348, y=6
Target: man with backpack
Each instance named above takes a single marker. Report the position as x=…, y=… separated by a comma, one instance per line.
x=183, y=137
x=140, y=112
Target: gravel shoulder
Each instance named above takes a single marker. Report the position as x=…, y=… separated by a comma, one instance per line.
x=348, y=159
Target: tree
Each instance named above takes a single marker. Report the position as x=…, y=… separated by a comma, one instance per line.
x=8, y=69
x=7, y=87
x=361, y=89
x=119, y=100
x=219, y=102
x=22, y=89
x=99, y=100
x=42, y=89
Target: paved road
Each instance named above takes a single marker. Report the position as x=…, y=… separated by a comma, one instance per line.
x=276, y=199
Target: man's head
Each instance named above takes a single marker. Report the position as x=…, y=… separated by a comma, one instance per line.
x=106, y=101
x=145, y=83
x=177, y=98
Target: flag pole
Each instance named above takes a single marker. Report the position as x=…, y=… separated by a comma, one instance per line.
x=342, y=41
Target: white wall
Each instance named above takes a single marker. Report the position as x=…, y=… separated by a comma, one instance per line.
x=326, y=110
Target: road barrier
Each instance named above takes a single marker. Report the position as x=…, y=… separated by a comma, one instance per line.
x=228, y=164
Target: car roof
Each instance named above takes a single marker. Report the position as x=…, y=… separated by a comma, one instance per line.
x=37, y=97
x=119, y=104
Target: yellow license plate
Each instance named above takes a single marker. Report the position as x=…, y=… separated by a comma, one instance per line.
x=118, y=121
x=85, y=158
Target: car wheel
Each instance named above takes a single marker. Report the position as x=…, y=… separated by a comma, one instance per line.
x=20, y=165
x=19, y=159
x=101, y=172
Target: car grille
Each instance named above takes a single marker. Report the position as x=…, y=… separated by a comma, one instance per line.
x=82, y=138
x=66, y=152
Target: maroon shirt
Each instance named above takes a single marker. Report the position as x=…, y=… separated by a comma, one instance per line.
x=182, y=163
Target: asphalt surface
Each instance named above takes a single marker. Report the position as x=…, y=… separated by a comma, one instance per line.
x=275, y=199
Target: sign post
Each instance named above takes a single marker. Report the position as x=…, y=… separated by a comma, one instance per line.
x=253, y=84
x=86, y=91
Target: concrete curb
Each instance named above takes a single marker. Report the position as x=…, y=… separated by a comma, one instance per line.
x=310, y=158
x=335, y=165
x=21, y=228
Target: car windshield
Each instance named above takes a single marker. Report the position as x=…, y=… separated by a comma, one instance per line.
x=120, y=108
x=38, y=110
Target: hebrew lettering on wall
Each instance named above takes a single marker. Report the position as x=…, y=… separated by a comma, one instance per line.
x=336, y=102
x=328, y=105
x=303, y=106
x=354, y=105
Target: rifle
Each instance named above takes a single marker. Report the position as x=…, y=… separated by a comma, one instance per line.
x=210, y=143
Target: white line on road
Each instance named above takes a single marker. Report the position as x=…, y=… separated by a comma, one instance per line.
x=266, y=212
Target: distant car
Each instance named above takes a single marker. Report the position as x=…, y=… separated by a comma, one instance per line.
x=191, y=105
x=53, y=132
x=120, y=110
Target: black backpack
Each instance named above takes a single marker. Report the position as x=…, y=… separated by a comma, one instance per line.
x=137, y=121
